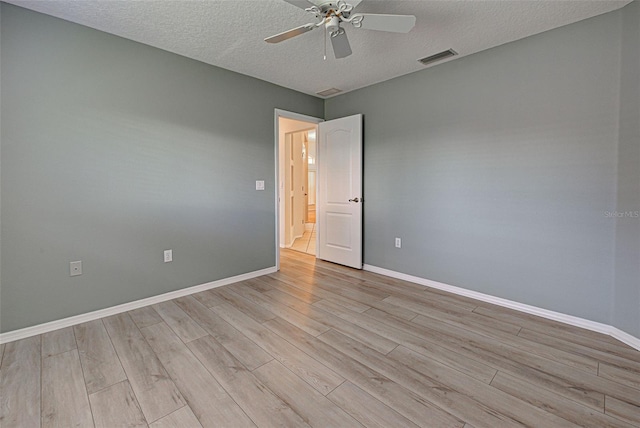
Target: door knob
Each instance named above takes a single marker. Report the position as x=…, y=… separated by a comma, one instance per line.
x=354, y=200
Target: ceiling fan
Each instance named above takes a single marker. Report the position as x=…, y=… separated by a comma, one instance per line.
x=331, y=13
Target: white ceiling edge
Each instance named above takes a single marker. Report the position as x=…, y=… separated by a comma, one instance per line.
x=229, y=33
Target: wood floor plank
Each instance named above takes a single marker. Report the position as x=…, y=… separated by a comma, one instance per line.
x=20, y=392
x=211, y=404
x=348, y=290
x=540, y=323
x=337, y=281
x=546, y=326
x=296, y=318
x=181, y=323
x=320, y=293
x=621, y=375
x=263, y=407
x=623, y=410
x=116, y=406
x=350, y=304
x=145, y=316
x=466, y=319
x=366, y=409
x=561, y=378
x=99, y=360
x=425, y=295
x=254, y=310
x=307, y=368
x=157, y=394
x=363, y=281
x=581, y=362
x=249, y=354
x=58, y=341
x=554, y=403
x=446, y=398
x=208, y=298
x=463, y=318
x=288, y=305
x=516, y=409
x=289, y=289
x=395, y=310
x=314, y=408
x=183, y=417
x=405, y=402
x=434, y=339
x=401, y=331
x=256, y=284
x=64, y=397
x=578, y=379
x=578, y=349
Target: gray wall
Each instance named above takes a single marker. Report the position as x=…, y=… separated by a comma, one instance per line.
x=626, y=310
x=113, y=151
x=496, y=169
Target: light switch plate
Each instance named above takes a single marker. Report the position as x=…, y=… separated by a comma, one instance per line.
x=259, y=184
x=75, y=268
x=168, y=256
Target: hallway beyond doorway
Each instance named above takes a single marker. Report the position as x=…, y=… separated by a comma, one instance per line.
x=307, y=242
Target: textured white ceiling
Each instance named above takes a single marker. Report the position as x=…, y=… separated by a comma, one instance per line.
x=230, y=33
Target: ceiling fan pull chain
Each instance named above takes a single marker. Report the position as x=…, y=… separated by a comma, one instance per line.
x=325, y=43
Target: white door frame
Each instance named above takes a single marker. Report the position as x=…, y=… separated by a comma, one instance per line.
x=288, y=115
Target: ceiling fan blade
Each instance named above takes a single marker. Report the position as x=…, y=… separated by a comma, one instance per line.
x=289, y=34
x=381, y=22
x=340, y=43
x=302, y=4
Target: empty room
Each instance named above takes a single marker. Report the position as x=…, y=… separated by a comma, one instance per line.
x=324, y=213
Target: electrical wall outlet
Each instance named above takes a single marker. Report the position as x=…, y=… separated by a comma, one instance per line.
x=168, y=256
x=75, y=268
x=398, y=243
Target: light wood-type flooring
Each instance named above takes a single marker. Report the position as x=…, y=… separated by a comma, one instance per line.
x=320, y=345
x=307, y=242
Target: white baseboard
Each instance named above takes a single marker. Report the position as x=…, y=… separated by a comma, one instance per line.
x=622, y=336
x=101, y=313
x=625, y=337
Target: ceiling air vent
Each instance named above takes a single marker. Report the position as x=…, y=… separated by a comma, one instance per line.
x=329, y=92
x=438, y=57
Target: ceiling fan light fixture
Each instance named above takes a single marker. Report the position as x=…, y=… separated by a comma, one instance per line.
x=438, y=57
x=330, y=14
x=329, y=92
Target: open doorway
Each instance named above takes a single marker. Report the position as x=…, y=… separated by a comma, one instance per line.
x=296, y=178
x=338, y=182
x=300, y=191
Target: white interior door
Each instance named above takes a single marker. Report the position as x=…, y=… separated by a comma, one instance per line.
x=339, y=197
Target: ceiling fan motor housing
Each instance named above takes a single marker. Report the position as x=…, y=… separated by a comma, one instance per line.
x=333, y=24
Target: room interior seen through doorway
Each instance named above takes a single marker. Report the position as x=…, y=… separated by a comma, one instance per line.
x=298, y=163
